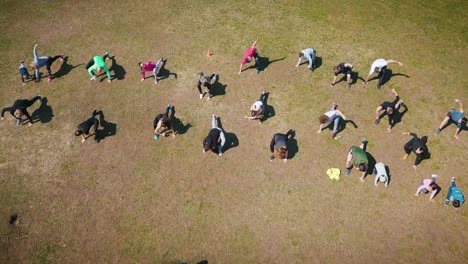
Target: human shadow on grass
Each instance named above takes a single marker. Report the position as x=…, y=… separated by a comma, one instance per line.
x=388, y=75
x=108, y=129
x=317, y=64
x=231, y=139
x=44, y=113
x=354, y=78
x=165, y=73
x=218, y=88
x=398, y=116
x=119, y=71
x=293, y=148
x=342, y=125
x=178, y=125
x=65, y=68
x=270, y=110
x=264, y=62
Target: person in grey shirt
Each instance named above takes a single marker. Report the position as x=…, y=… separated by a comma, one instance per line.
x=309, y=55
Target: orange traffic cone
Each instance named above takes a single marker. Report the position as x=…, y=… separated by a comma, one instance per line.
x=209, y=53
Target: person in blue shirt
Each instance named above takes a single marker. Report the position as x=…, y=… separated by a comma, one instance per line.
x=454, y=195
x=457, y=117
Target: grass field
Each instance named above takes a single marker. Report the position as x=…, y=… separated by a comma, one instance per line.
x=129, y=199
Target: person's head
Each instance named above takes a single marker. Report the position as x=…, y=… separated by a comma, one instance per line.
x=424, y=139
x=456, y=203
x=376, y=69
x=389, y=111
x=18, y=113
x=78, y=132
x=301, y=55
x=280, y=152
x=206, y=145
x=362, y=167
x=382, y=178
x=248, y=59
x=335, y=69
x=99, y=70
x=433, y=185
x=323, y=119
x=140, y=64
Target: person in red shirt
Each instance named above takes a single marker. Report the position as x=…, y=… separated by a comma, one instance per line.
x=248, y=55
x=151, y=66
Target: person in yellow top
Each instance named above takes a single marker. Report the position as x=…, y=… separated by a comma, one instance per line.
x=97, y=63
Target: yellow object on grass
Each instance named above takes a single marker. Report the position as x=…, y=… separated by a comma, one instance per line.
x=334, y=173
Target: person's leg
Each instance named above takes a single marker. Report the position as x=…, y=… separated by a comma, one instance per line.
x=257, y=60
x=106, y=56
x=336, y=122
x=408, y=147
x=444, y=122
x=89, y=64
x=349, y=162
x=449, y=193
x=381, y=76
x=214, y=121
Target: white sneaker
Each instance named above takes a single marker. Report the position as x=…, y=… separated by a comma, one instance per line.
x=201, y=96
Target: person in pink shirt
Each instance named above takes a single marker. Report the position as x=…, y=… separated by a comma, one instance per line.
x=429, y=185
x=248, y=55
x=151, y=66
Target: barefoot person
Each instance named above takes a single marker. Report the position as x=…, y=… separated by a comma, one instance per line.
x=457, y=117
x=42, y=61
x=417, y=146
x=344, y=68
x=19, y=109
x=163, y=123
x=380, y=66
x=151, y=67
x=258, y=109
x=24, y=73
x=389, y=108
x=279, y=146
x=85, y=127
x=333, y=116
x=248, y=55
x=428, y=186
x=207, y=82
x=357, y=158
x=308, y=55
x=454, y=195
x=97, y=63
x=216, y=139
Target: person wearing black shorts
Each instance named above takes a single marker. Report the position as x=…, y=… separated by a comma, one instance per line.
x=389, y=108
x=346, y=69
x=20, y=108
x=85, y=127
x=417, y=146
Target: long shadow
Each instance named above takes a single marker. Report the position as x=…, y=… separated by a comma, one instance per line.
x=293, y=148
x=231, y=139
x=264, y=63
x=270, y=110
x=65, y=68
x=388, y=75
x=179, y=126
x=44, y=113
x=165, y=73
x=387, y=169
x=108, y=129
x=398, y=116
x=218, y=88
x=371, y=164
x=354, y=78
x=342, y=125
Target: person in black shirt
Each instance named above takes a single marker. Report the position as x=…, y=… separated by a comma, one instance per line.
x=163, y=123
x=279, y=146
x=85, y=127
x=389, y=108
x=346, y=69
x=216, y=139
x=19, y=108
x=417, y=146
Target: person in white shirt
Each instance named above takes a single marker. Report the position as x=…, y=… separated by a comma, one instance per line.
x=258, y=109
x=332, y=116
x=380, y=174
x=380, y=66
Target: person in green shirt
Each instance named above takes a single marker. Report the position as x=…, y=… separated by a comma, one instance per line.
x=97, y=63
x=357, y=157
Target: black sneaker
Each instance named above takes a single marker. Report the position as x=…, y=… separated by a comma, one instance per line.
x=376, y=122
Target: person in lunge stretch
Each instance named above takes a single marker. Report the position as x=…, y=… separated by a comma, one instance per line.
x=163, y=123
x=380, y=66
x=389, y=108
x=19, y=109
x=357, y=157
x=344, y=68
x=417, y=146
x=97, y=63
x=308, y=55
x=85, y=127
x=279, y=146
x=151, y=66
x=42, y=61
x=454, y=195
x=428, y=186
x=207, y=82
x=216, y=139
x=457, y=117
x=248, y=55
x=333, y=116
x=258, y=109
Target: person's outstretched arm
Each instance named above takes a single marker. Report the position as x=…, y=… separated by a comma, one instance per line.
x=320, y=129
x=240, y=68
x=394, y=62
x=255, y=43
x=367, y=78
x=4, y=110
x=35, y=53
x=419, y=189
x=434, y=192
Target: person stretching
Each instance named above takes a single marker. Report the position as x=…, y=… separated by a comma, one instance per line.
x=248, y=55
x=163, y=123
x=417, y=146
x=19, y=108
x=389, y=108
x=216, y=139
x=380, y=66
x=357, y=157
x=333, y=116
x=309, y=55
x=454, y=195
x=344, y=68
x=39, y=62
x=85, y=127
x=258, y=109
x=457, y=117
x=24, y=73
x=428, y=185
x=279, y=146
x=380, y=174
x=97, y=63
x=151, y=66
x=207, y=82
